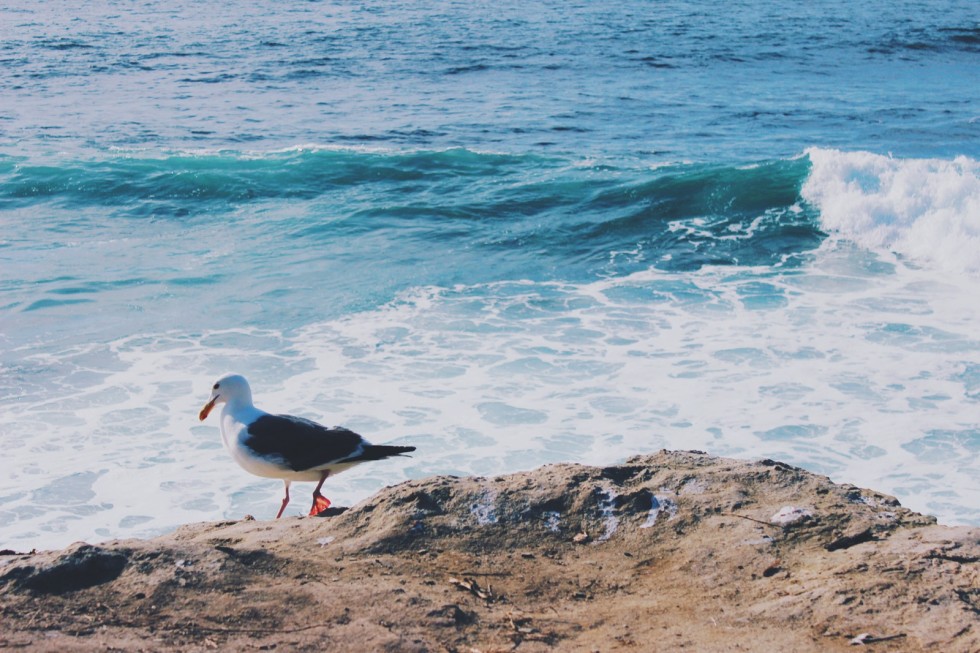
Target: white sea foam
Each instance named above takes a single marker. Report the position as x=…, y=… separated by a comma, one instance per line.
x=857, y=367
x=925, y=209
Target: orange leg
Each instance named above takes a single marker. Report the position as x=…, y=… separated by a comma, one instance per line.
x=320, y=502
x=285, y=500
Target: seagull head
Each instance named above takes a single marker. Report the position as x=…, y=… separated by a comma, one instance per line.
x=231, y=388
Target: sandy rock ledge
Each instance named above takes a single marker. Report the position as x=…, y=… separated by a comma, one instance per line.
x=668, y=552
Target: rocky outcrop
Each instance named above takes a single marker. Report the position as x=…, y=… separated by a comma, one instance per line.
x=673, y=551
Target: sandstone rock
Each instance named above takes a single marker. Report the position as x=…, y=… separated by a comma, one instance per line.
x=681, y=551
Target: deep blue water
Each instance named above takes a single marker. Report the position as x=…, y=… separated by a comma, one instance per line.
x=653, y=81
x=511, y=234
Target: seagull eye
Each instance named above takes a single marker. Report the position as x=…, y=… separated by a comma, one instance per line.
x=215, y=386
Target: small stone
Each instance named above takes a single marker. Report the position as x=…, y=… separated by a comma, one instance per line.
x=790, y=515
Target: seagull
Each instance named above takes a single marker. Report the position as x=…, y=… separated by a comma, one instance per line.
x=287, y=447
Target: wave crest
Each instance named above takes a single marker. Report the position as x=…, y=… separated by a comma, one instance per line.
x=927, y=210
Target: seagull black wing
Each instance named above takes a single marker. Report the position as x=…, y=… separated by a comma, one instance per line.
x=302, y=444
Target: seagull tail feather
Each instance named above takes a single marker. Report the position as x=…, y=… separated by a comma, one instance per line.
x=382, y=451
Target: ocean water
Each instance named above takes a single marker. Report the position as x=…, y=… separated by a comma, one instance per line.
x=508, y=235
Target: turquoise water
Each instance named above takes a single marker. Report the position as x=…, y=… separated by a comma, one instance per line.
x=509, y=236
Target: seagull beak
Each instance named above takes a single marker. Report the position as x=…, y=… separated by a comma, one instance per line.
x=207, y=408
